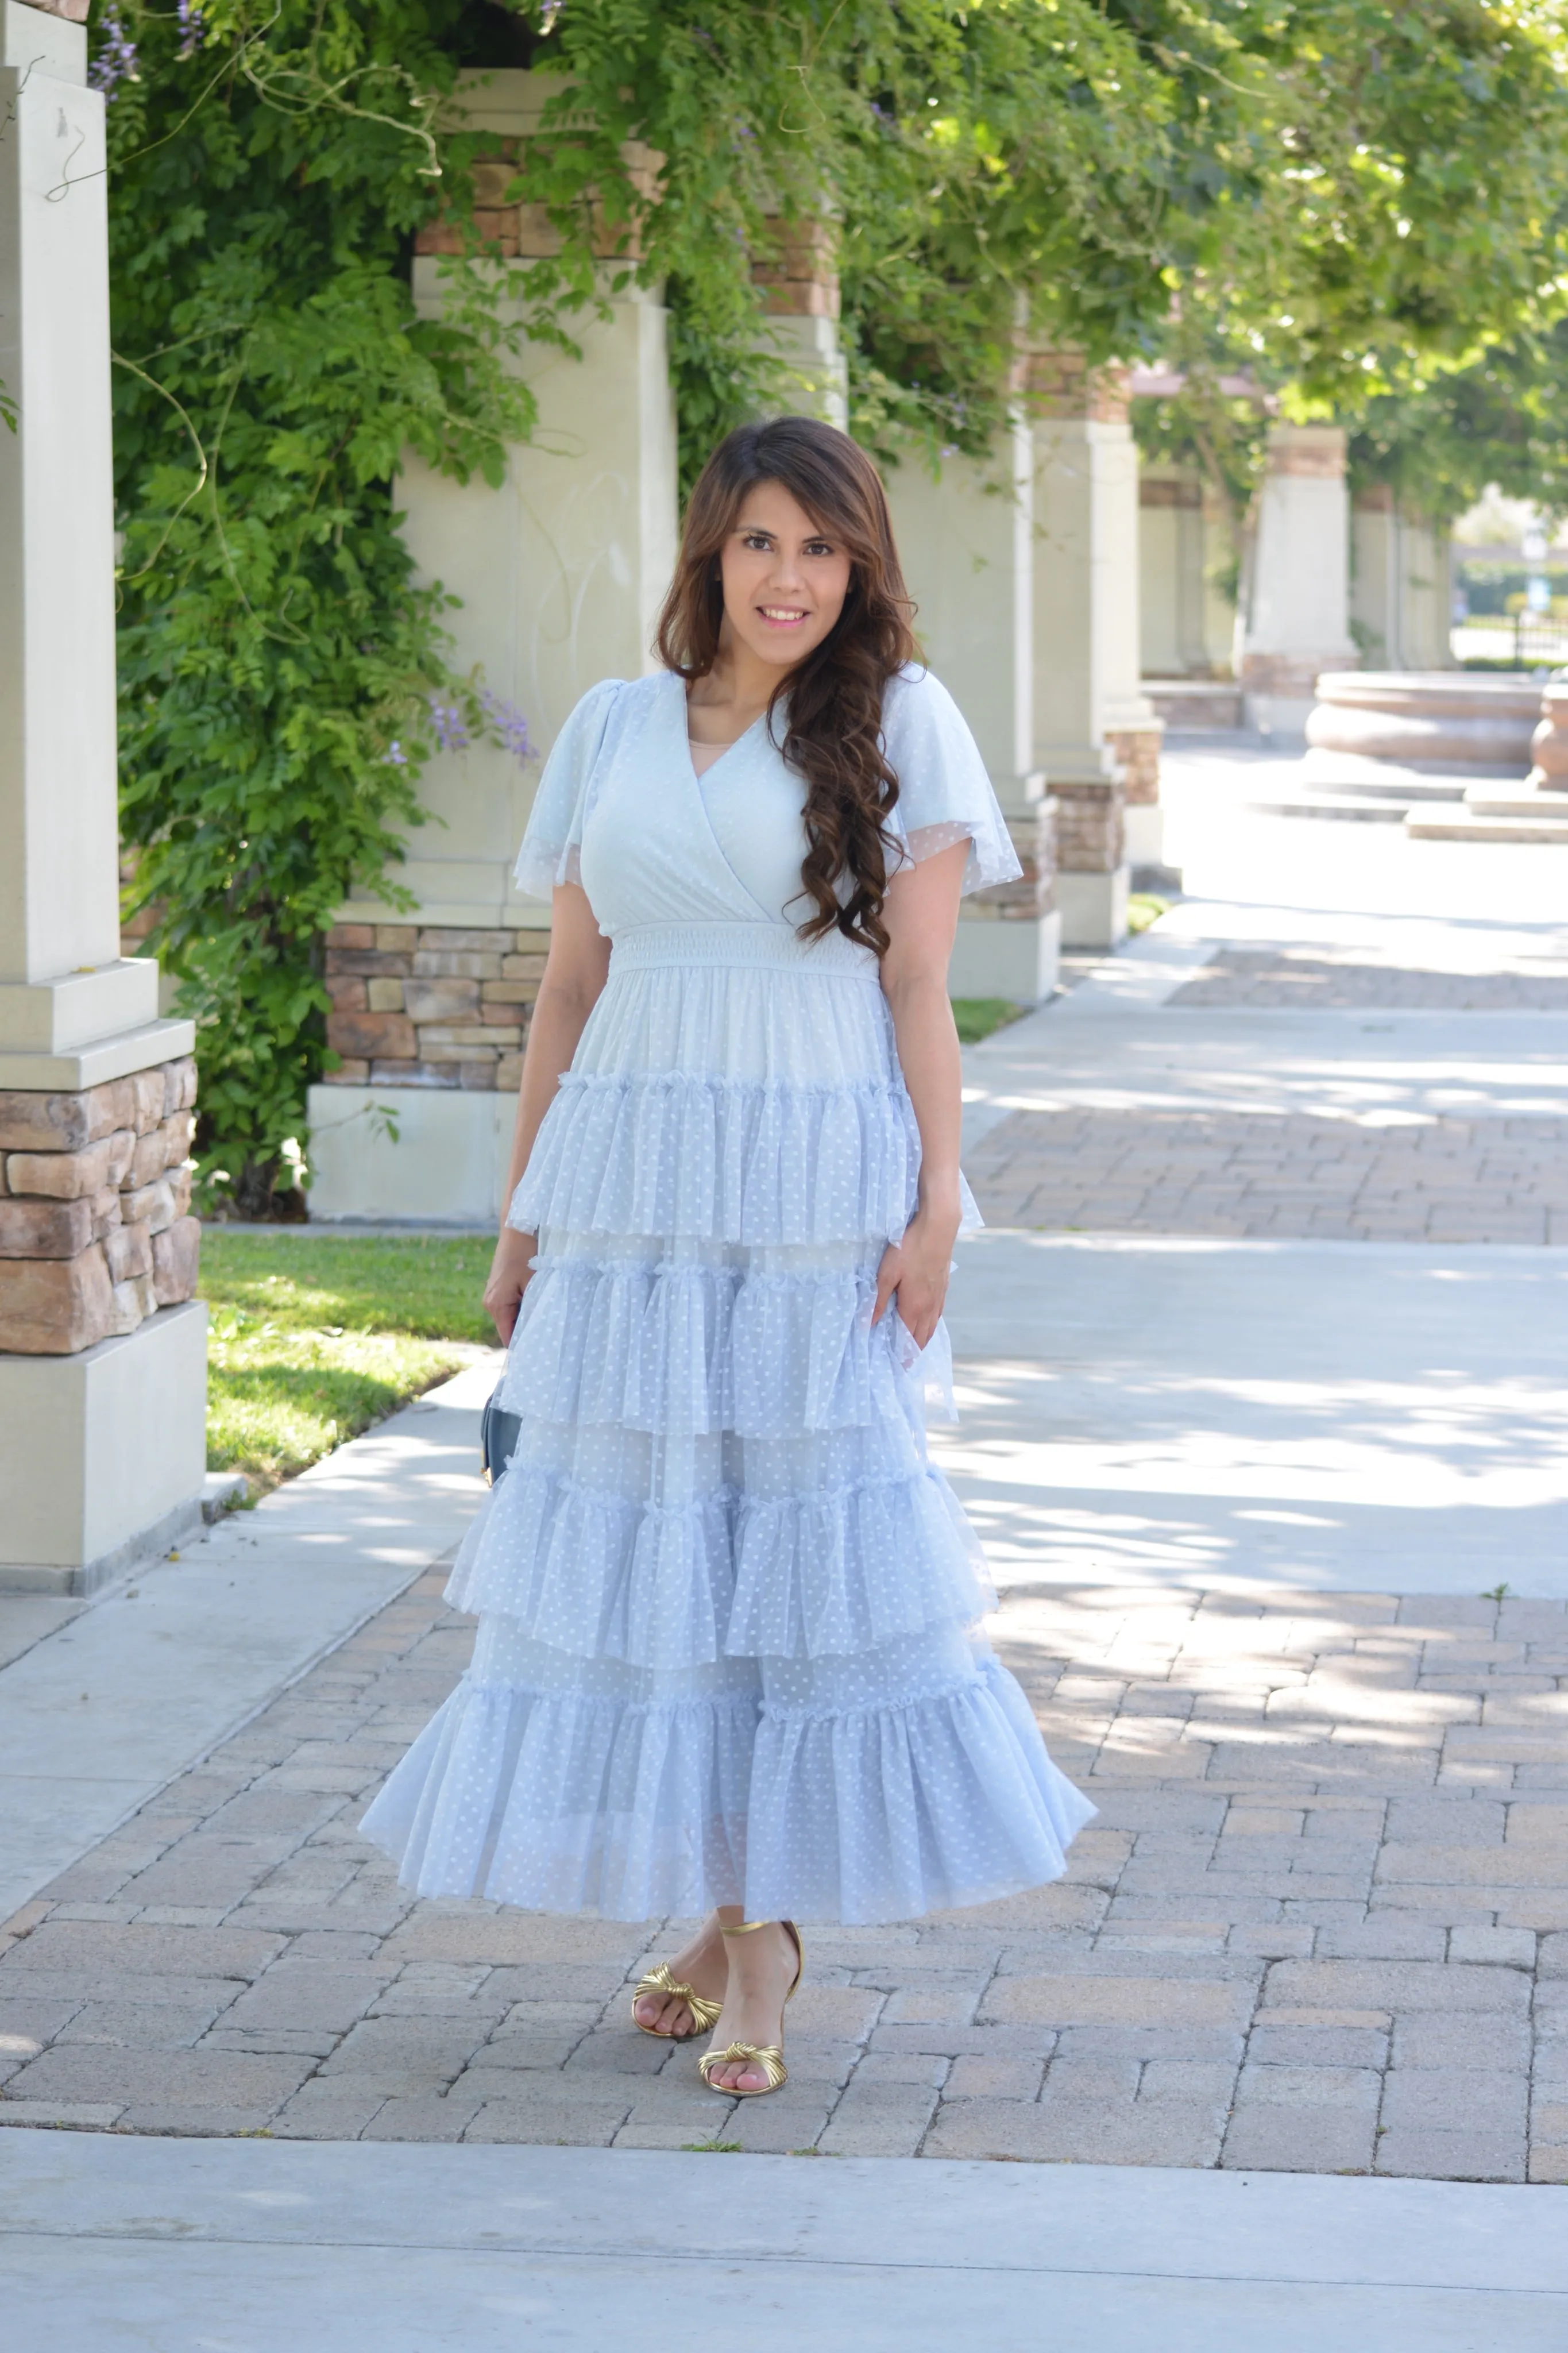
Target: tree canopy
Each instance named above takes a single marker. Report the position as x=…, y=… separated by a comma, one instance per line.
x=1359, y=207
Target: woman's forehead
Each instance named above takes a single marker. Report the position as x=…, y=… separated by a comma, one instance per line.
x=775, y=507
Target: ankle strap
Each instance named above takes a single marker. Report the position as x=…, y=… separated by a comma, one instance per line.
x=744, y=1928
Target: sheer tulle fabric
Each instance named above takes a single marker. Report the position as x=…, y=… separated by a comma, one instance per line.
x=729, y=1646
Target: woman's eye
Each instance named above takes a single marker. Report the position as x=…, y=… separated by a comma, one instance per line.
x=818, y=547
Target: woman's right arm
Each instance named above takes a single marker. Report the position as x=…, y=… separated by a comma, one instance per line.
x=574, y=974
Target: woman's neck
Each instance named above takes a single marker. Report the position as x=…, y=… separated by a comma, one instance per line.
x=734, y=693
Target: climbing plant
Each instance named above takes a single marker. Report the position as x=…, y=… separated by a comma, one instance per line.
x=283, y=677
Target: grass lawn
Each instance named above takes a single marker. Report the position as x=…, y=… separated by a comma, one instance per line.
x=1143, y=908
x=976, y=1017
x=313, y=1338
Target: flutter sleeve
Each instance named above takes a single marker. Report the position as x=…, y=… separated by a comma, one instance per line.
x=554, y=832
x=944, y=792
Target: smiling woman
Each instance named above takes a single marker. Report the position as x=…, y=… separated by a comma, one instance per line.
x=728, y=1658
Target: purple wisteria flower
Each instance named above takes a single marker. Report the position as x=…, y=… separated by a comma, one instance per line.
x=116, y=60
x=548, y=12
x=192, y=30
x=510, y=724
x=397, y=757
x=451, y=727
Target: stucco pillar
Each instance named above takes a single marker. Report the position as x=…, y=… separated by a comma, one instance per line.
x=1095, y=733
x=1400, y=585
x=797, y=273
x=1298, y=618
x=561, y=571
x=103, y=1356
x=966, y=540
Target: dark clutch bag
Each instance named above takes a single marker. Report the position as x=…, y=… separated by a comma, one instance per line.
x=498, y=1439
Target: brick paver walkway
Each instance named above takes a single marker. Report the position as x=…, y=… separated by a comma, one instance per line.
x=1347, y=980
x=1321, y=1924
x=1292, y=1175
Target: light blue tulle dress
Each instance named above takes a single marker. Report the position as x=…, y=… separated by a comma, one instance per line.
x=729, y=1648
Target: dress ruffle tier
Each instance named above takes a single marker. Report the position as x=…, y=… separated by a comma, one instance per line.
x=729, y=1647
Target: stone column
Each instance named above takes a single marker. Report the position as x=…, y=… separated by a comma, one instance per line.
x=1176, y=605
x=798, y=275
x=102, y=1349
x=1298, y=616
x=1400, y=585
x=966, y=539
x=1096, y=734
x=561, y=573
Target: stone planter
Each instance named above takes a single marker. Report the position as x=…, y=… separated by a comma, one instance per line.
x=1432, y=722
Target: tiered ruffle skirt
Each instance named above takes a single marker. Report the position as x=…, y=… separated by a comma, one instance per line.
x=729, y=1648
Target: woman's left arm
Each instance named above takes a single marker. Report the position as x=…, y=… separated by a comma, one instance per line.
x=921, y=912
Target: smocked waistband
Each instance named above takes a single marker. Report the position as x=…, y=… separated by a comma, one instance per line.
x=768, y=945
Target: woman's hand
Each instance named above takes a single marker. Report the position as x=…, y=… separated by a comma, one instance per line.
x=917, y=1269
x=509, y=1278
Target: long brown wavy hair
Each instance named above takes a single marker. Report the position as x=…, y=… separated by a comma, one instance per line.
x=833, y=715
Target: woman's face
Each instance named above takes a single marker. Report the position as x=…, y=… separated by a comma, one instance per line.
x=785, y=578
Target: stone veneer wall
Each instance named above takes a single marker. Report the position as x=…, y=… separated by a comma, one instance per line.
x=417, y=1005
x=1136, y=751
x=1060, y=383
x=1092, y=825
x=1033, y=894
x=95, y=1196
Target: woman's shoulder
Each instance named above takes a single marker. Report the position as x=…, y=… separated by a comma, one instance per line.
x=915, y=700
x=920, y=719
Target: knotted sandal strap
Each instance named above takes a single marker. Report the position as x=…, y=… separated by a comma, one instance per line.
x=659, y=1980
x=765, y=2055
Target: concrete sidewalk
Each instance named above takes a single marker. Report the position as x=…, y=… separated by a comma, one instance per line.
x=163, y=2247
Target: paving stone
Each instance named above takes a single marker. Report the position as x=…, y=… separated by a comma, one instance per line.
x=1387, y=1937
x=924, y=2069
x=589, y=2124
x=79, y=1947
x=1269, y=2139
x=430, y=2116
x=1456, y=2099
x=500, y=1937
x=879, y=2120
x=1395, y=1986
x=1005, y=2043
x=1360, y=2088
x=1507, y=1947
x=1113, y=2001
x=206, y=2078
x=1317, y=2046
x=993, y=2079
x=146, y=2026
x=1084, y=2076
x=794, y=2118
x=86, y=2115
x=1437, y=2156
x=1074, y=2132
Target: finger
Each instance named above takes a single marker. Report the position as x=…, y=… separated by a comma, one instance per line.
x=888, y=1274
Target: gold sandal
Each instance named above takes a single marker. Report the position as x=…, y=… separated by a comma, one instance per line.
x=658, y=1980
x=768, y=2056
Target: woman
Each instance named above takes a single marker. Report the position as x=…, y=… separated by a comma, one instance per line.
x=726, y=1660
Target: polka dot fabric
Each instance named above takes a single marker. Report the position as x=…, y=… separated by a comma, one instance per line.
x=729, y=1647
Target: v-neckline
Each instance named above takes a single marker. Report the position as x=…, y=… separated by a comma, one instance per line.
x=700, y=776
